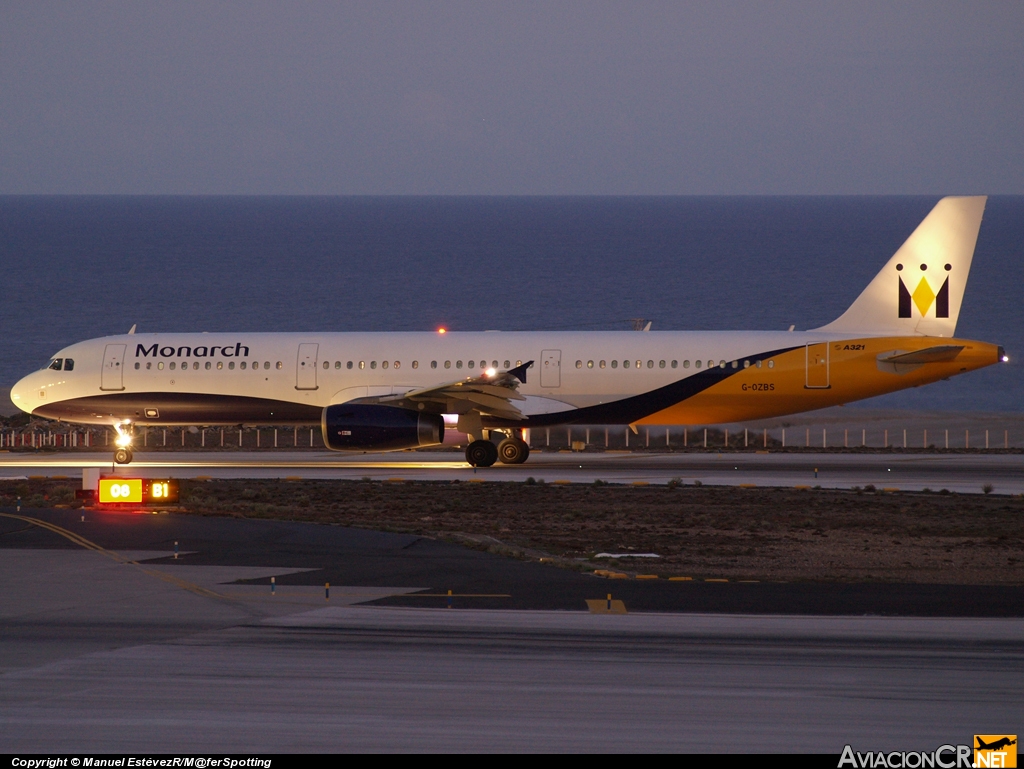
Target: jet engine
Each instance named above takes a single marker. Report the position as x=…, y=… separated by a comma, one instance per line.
x=368, y=427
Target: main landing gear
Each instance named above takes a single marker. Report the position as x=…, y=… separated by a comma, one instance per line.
x=511, y=451
x=123, y=453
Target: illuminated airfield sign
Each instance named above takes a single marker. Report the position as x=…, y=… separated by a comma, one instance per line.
x=137, y=491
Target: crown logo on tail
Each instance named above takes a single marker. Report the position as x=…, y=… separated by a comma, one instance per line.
x=923, y=296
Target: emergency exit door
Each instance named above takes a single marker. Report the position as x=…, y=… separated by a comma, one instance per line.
x=112, y=377
x=305, y=367
x=551, y=368
x=817, y=367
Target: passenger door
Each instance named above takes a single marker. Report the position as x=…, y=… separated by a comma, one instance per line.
x=112, y=376
x=551, y=368
x=305, y=367
x=817, y=367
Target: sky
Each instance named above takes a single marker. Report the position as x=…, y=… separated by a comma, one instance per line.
x=511, y=98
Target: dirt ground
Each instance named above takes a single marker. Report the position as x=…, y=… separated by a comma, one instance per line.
x=699, y=532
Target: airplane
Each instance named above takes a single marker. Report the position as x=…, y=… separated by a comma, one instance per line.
x=1002, y=742
x=392, y=390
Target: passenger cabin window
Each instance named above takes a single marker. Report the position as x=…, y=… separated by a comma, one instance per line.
x=348, y=365
x=280, y=365
x=362, y=364
x=507, y=364
x=373, y=364
x=458, y=364
x=384, y=364
x=137, y=365
x=579, y=364
x=625, y=364
x=209, y=365
x=240, y=365
x=494, y=364
x=447, y=364
x=650, y=364
x=771, y=364
x=195, y=366
x=696, y=364
x=661, y=364
x=415, y=364
x=398, y=364
x=675, y=364
x=615, y=364
x=220, y=365
x=266, y=364
x=590, y=364
x=327, y=364
x=601, y=364
x=469, y=364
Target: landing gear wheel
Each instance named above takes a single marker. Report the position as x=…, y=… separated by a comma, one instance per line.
x=123, y=456
x=481, y=453
x=513, y=451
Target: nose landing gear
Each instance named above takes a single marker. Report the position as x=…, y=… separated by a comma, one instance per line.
x=123, y=453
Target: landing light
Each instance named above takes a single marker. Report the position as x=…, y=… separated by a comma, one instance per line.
x=123, y=440
x=1006, y=359
x=491, y=372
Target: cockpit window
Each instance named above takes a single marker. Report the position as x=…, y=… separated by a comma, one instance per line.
x=69, y=364
x=56, y=364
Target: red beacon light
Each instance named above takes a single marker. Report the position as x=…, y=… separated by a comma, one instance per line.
x=442, y=330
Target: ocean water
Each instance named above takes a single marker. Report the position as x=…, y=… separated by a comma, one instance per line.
x=79, y=267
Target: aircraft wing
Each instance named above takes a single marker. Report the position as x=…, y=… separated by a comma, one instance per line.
x=489, y=395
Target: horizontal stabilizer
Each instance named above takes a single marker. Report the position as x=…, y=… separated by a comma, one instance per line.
x=941, y=354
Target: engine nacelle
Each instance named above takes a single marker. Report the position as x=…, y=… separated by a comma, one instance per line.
x=368, y=427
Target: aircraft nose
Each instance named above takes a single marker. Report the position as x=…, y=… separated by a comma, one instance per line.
x=21, y=394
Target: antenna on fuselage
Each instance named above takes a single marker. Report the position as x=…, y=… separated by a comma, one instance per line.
x=132, y=329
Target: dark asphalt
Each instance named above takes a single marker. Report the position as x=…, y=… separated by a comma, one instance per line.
x=344, y=556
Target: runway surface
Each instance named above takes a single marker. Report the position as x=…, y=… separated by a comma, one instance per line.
x=965, y=473
x=122, y=647
x=101, y=656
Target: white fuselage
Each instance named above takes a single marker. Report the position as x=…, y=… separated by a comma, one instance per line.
x=571, y=370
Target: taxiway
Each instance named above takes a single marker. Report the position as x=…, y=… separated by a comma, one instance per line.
x=907, y=471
